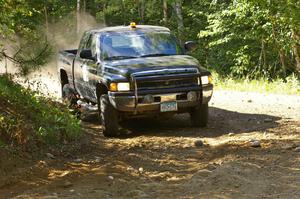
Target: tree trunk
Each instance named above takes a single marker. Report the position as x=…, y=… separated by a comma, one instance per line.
x=165, y=11
x=178, y=10
x=142, y=10
x=5, y=59
x=84, y=6
x=83, y=13
x=281, y=51
x=282, y=60
x=262, y=57
x=104, y=11
x=46, y=21
x=78, y=18
x=297, y=51
x=123, y=12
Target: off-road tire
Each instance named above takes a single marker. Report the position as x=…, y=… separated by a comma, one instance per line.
x=199, y=115
x=109, y=117
x=99, y=109
x=68, y=95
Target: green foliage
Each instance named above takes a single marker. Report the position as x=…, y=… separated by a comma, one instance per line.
x=241, y=38
x=43, y=119
x=25, y=17
x=251, y=39
x=119, y=12
x=23, y=24
x=290, y=86
x=31, y=54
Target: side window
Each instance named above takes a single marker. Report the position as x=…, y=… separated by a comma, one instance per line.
x=91, y=44
x=83, y=41
x=94, y=45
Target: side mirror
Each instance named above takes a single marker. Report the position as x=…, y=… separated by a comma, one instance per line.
x=190, y=46
x=86, y=54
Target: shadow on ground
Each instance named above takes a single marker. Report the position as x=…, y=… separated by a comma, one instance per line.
x=221, y=122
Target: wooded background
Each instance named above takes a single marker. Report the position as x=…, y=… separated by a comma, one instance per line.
x=238, y=38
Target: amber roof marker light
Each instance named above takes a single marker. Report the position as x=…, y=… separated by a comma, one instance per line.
x=132, y=25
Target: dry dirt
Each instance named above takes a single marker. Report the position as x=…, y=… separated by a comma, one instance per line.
x=159, y=159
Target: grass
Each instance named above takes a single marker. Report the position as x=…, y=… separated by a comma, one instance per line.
x=291, y=86
x=27, y=116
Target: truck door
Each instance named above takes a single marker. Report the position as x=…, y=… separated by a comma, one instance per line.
x=86, y=69
x=79, y=66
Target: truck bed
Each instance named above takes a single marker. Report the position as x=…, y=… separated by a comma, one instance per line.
x=68, y=54
x=65, y=62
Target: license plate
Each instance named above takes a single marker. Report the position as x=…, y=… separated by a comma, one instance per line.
x=168, y=98
x=168, y=106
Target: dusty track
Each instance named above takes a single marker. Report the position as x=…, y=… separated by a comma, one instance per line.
x=159, y=159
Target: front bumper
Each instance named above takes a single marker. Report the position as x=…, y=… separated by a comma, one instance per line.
x=207, y=92
x=126, y=101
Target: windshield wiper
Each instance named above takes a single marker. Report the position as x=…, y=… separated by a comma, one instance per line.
x=155, y=55
x=119, y=57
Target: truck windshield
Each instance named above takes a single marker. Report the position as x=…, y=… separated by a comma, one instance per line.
x=126, y=45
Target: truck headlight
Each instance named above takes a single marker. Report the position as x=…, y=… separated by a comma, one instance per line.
x=124, y=86
x=206, y=80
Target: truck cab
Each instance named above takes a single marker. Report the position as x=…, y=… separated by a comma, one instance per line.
x=136, y=71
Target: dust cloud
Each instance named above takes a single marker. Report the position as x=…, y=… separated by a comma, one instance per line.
x=61, y=35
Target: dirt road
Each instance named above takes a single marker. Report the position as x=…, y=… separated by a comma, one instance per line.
x=160, y=158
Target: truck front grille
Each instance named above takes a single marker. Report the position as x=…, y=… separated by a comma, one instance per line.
x=167, y=83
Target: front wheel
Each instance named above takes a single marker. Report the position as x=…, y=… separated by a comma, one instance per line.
x=109, y=117
x=199, y=115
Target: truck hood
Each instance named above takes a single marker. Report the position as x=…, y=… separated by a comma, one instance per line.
x=126, y=67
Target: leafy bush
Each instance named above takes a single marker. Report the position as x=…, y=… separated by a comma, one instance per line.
x=253, y=39
x=28, y=116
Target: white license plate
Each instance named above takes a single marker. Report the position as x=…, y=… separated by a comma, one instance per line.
x=168, y=106
x=168, y=98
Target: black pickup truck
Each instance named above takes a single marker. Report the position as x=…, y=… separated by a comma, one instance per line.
x=135, y=71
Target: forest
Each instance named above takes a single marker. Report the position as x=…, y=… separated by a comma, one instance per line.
x=237, y=135
x=236, y=38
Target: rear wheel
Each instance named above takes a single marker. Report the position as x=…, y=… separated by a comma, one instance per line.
x=109, y=117
x=199, y=115
x=70, y=98
x=69, y=95
x=99, y=108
